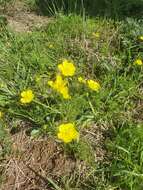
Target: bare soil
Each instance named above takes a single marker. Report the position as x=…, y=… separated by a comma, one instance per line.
x=26, y=22
x=32, y=162
x=20, y=19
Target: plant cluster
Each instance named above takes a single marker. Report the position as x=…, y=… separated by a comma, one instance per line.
x=66, y=70
x=73, y=74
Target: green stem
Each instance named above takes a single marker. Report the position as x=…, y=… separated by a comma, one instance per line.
x=91, y=106
x=22, y=115
x=45, y=106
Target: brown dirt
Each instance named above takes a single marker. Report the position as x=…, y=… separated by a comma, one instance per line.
x=34, y=161
x=20, y=19
x=95, y=135
x=26, y=22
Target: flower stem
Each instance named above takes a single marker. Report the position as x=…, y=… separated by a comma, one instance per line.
x=45, y=106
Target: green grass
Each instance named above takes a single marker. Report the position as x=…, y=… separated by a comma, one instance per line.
x=108, y=59
x=128, y=152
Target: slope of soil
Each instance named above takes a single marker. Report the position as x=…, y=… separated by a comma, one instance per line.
x=20, y=19
x=32, y=162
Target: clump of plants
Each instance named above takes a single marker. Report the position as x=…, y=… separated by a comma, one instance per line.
x=65, y=86
x=71, y=76
x=4, y=3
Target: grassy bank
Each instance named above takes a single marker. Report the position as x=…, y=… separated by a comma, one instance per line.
x=102, y=50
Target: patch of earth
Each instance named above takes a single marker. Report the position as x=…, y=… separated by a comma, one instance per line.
x=20, y=19
x=25, y=22
x=32, y=162
x=96, y=136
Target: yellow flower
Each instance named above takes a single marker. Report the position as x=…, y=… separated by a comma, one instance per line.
x=67, y=132
x=37, y=78
x=81, y=80
x=51, y=46
x=138, y=62
x=93, y=85
x=96, y=34
x=59, y=83
x=27, y=96
x=141, y=38
x=60, y=86
x=67, y=68
x=51, y=83
x=2, y=84
x=1, y=114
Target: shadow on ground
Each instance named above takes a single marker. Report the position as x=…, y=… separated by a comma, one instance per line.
x=108, y=8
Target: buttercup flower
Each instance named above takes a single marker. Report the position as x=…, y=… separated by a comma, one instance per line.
x=81, y=80
x=27, y=96
x=67, y=132
x=37, y=78
x=67, y=68
x=93, y=85
x=2, y=85
x=60, y=86
x=51, y=46
x=1, y=114
x=138, y=62
x=141, y=38
x=51, y=84
x=96, y=34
